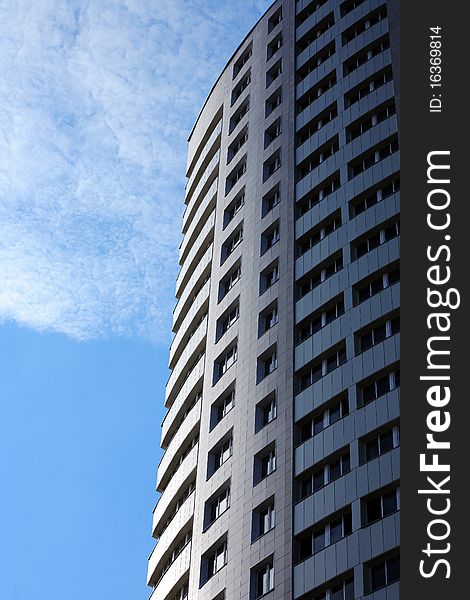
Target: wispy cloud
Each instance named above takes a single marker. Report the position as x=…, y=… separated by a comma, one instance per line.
x=96, y=102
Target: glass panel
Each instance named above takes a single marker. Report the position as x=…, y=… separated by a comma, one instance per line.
x=389, y=503
x=377, y=576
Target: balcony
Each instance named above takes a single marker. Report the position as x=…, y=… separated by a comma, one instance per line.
x=173, y=576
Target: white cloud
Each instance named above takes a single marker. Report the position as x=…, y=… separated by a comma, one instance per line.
x=96, y=102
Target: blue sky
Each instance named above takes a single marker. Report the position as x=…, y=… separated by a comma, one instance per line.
x=96, y=103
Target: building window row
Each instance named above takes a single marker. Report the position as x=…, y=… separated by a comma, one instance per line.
x=371, y=240
x=377, y=443
x=315, y=32
x=182, y=455
x=323, y=535
x=376, y=333
x=321, y=367
x=320, y=318
x=330, y=471
x=241, y=86
x=181, y=499
x=316, y=158
x=329, y=267
x=309, y=10
x=375, y=283
x=366, y=54
x=375, y=194
x=242, y=61
x=234, y=208
x=318, y=59
x=176, y=551
x=316, y=91
x=330, y=224
x=375, y=117
x=318, y=194
x=369, y=85
x=379, y=386
x=318, y=122
x=337, y=409
x=364, y=24
x=372, y=156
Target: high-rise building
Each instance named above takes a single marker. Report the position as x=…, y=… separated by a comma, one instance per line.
x=280, y=476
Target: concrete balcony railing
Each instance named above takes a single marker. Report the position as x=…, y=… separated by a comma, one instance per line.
x=188, y=294
x=195, y=345
x=178, y=569
x=195, y=252
x=202, y=188
x=180, y=478
x=187, y=426
x=204, y=153
x=180, y=338
x=207, y=204
x=179, y=521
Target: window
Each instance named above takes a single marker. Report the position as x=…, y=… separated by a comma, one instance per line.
x=271, y=165
x=270, y=237
x=182, y=593
x=235, y=175
x=241, y=87
x=375, y=238
x=269, y=276
x=321, y=367
x=319, y=274
x=264, y=519
x=266, y=411
x=218, y=506
x=237, y=144
x=380, y=386
x=273, y=101
x=372, y=119
x=372, y=157
x=319, y=193
x=267, y=363
x=318, y=157
x=363, y=24
x=264, y=464
x=275, y=19
x=332, y=469
x=317, y=59
x=376, y=283
x=323, y=418
x=229, y=281
x=274, y=46
x=273, y=73
x=239, y=114
x=376, y=334
x=234, y=207
x=270, y=200
x=263, y=578
x=222, y=406
x=215, y=561
x=367, y=86
x=376, y=444
x=316, y=91
x=349, y=6
x=319, y=232
x=317, y=123
x=267, y=319
x=366, y=54
x=273, y=132
x=330, y=532
x=219, y=455
x=340, y=588
x=225, y=362
x=380, y=505
x=229, y=246
x=321, y=318
x=227, y=320
x=381, y=572
x=241, y=62
x=177, y=550
x=311, y=8
x=374, y=195
x=314, y=33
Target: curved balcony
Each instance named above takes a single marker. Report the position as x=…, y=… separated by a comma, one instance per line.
x=203, y=154
x=203, y=187
x=187, y=428
x=188, y=294
x=191, y=219
x=195, y=252
x=195, y=345
x=182, y=518
x=204, y=208
x=196, y=309
x=181, y=477
x=173, y=576
x=193, y=378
